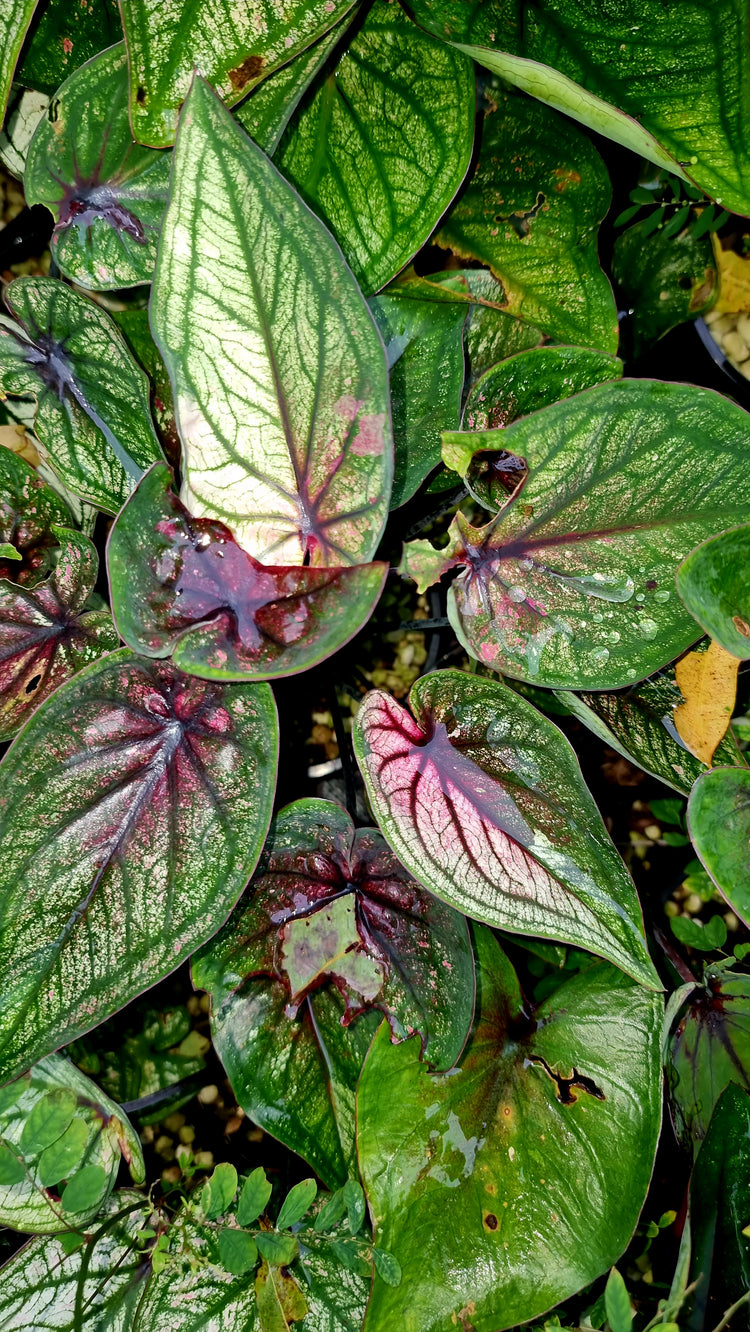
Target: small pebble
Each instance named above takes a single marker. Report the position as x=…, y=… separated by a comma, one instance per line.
x=233, y=1124
x=731, y=921
x=255, y=1135
x=171, y=1174
x=184, y=1153
x=693, y=904
x=207, y=1095
x=653, y=832
x=186, y=1133
x=204, y=1159
x=164, y=1146
x=174, y=1122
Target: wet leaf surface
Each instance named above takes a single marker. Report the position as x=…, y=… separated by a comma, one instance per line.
x=663, y=280
x=14, y=25
x=719, y=826
x=64, y=36
x=713, y=583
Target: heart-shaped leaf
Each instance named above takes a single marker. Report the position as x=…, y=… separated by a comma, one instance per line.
x=381, y=204
x=234, y=48
x=662, y=280
x=572, y=585
x=183, y=586
x=532, y=215
x=286, y=438
x=713, y=583
x=14, y=23
x=424, y=344
x=106, y=193
x=719, y=826
x=47, y=633
x=709, y=1047
x=92, y=414
x=29, y=512
x=332, y=914
x=482, y=799
x=509, y=1184
x=64, y=36
x=135, y=803
x=94, y=1132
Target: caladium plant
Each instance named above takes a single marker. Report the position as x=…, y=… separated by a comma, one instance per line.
x=321, y=377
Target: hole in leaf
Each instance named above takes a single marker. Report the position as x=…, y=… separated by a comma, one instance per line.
x=565, y=1086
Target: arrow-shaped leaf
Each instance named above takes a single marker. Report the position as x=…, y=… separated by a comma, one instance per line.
x=14, y=23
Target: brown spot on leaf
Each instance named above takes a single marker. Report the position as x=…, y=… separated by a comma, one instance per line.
x=490, y=1221
x=565, y=177
x=140, y=96
x=244, y=73
x=741, y=626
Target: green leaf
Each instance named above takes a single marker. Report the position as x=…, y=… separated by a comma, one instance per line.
x=356, y=1206
x=543, y=597
x=92, y=414
x=8, y=552
x=332, y=1211
x=523, y=383
x=29, y=513
x=424, y=345
x=386, y=1267
x=482, y=799
x=278, y=1250
x=298, y=1201
x=14, y=23
x=153, y=794
x=703, y=937
x=233, y=48
x=254, y=1197
x=394, y=85
x=297, y=428
x=62, y=37
x=12, y=1170
x=133, y=1057
x=712, y=582
x=663, y=280
x=718, y=820
x=85, y=1191
x=182, y=586
x=238, y=1251
x=617, y=1303
x=719, y=1191
x=532, y=216
x=219, y=1190
x=47, y=1283
x=106, y=193
x=708, y=1047
x=47, y=633
x=280, y=1300
x=57, y=1121
x=537, y=1098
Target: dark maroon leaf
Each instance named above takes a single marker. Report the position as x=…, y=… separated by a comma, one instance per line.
x=28, y=511
x=708, y=1048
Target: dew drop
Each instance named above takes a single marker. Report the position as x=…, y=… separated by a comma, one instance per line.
x=662, y=595
x=649, y=628
x=516, y=593
x=598, y=619
x=613, y=636
x=607, y=587
x=600, y=655
x=631, y=674
x=641, y=596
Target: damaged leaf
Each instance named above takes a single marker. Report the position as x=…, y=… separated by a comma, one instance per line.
x=708, y=684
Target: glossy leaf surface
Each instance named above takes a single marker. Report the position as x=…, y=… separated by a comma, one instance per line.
x=424, y=344
x=29, y=512
x=533, y=379
x=97, y=1133
x=719, y=826
x=572, y=586
x=92, y=413
x=233, y=48
x=183, y=586
x=151, y=794
x=281, y=388
x=719, y=1191
x=106, y=193
x=482, y=799
x=382, y=147
x=713, y=583
x=535, y=1156
x=662, y=280
x=14, y=23
x=333, y=917
x=532, y=216
x=709, y=1047
x=64, y=36
x=47, y=633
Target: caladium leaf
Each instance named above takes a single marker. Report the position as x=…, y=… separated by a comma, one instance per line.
x=713, y=583
x=14, y=23
x=286, y=439
x=29, y=512
x=719, y=825
x=638, y=723
x=45, y=1286
x=382, y=205
x=572, y=585
x=94, y=1133
x=533, y=215
x=135, y=803
x=92, y=414
x=662, y=280
x=134, y=326
x=183, y=586
x=332, y=911
x=482, y=799
x=709, y=1047
x=106, y=193
x=424, y=345
x=49, y=632
x=719, y=1189
x=64, y=36
x=523, y=383
x=234, y=48
x=481, y=1183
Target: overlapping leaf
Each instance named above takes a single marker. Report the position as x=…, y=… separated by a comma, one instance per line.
x=281, y=383
x=719, y=1189
x=106, y=193
x=532, y=216
x=663, y=280
x=50, y=631
x=719, y=825
x=572, y=585
x=134, y=807
x=713, y=583
x=335, y=929
x=233, y=48
x=482, y=799
x=54, y=1122
x=92, y=413
x=534, y=1156
x=146, y=1052
x=183, y=586
x=29, y=512
x=709, y=1047
x=64, y=36
x=382, y=147
x=14, y=23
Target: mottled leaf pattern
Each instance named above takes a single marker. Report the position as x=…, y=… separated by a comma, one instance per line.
x=713, y=583
x=64, y=36
x=134, y=807
x=709, y=1047
x=482, y=799
x=281, y=386
x=532, y=379
x=29, y=512
x=15, y=17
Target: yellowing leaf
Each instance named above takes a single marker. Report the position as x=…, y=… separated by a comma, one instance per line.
x=734, y=280
x=280, y=1300
x=708, y=683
